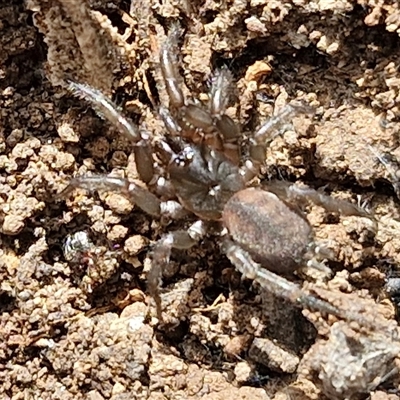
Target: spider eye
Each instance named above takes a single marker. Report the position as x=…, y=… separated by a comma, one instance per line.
x=184, y=158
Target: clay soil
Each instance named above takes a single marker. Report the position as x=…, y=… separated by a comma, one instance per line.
x=80, y=324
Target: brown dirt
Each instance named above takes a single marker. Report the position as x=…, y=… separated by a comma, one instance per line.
x=83, y=328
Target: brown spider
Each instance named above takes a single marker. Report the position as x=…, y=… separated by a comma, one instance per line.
x=261, y=231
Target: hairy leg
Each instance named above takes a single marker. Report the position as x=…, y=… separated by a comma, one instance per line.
x=108, y=110
x=280, y=286
x=140, y=196
x=297, y=195
x=180, y=239
x=268, y=131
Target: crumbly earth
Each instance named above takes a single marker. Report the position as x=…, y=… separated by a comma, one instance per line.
x=80, y=324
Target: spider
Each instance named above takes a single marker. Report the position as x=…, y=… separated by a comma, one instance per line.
x=260, y=230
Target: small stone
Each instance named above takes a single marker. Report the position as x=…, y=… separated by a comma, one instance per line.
x=13, y=224
x=67, y=133
x=119, y=204
x=266, y=352
x=118, y=388
x=243, y=372
x=237, y=345
x=135, y=244
x=117, y=232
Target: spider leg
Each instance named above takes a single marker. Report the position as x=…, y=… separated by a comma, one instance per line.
x=273, y=127
x=184, y=118
x=108, y=110
x=296, y=195
x=279, y=285
x=278, y=124
x=220, y=92
x=179, y=239
x=169, y=69
x=142, y=197
x=314, y=260
x=192, y=120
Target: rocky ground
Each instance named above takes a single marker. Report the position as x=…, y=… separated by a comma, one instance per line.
x=79, y=324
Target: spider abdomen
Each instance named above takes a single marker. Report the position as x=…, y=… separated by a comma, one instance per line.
x=264, y=226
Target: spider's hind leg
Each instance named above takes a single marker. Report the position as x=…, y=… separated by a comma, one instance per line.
x=280, y=286
x=299, y=196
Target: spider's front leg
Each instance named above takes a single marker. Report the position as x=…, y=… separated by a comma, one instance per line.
x=180, y=239
x=192, y=119
x=108, y=110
